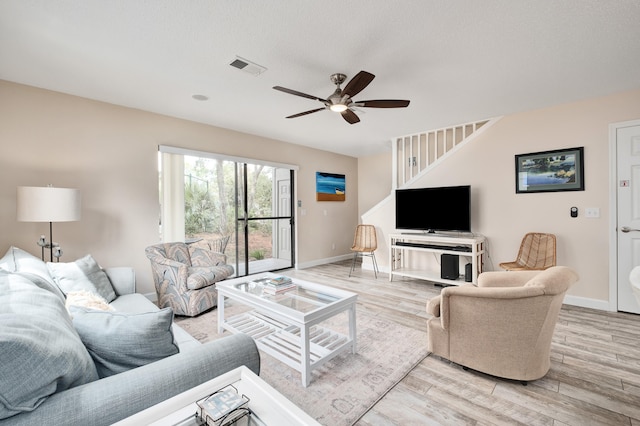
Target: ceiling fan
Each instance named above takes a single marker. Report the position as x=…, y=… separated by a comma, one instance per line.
x=341, y=100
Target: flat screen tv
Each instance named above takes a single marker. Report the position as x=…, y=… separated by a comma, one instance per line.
x=446, y=208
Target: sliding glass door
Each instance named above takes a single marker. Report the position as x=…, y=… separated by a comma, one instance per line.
x=241, y=208
x=264, y=218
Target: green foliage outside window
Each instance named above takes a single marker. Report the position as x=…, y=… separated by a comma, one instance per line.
x=210, y=196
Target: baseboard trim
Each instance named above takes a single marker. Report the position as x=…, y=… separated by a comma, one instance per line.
x=323, y=261
x=584, y=302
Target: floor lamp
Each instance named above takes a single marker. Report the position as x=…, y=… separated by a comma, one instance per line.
x=48, y=204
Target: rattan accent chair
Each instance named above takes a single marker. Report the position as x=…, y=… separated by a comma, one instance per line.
x=537, y=252
x=365, y=243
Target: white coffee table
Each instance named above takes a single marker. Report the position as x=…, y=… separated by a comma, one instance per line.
x=286, y=326
x=268, y=405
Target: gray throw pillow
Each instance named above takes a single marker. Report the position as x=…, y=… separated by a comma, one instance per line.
x=83, y=274
x=118, y=341
x=40, y=351
x=18, y=260
x=7, y=263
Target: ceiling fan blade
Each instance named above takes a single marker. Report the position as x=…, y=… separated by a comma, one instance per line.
x=350, y=116
x=383, y=103
x=358, y=83
x=305, y=113
x=296, y=93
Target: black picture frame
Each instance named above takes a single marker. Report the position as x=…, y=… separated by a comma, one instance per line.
x=550, y=171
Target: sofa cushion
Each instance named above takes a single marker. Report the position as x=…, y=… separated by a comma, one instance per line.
x=135, y=303
x=119, y=341
x=38, y=342
x=83, y=274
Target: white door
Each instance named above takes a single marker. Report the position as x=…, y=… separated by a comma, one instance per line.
x=628, y=209
x=284, y=209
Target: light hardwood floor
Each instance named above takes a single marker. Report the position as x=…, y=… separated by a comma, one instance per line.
x=594, y=377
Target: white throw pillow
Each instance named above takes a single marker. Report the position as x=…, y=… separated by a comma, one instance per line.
x=83, y=274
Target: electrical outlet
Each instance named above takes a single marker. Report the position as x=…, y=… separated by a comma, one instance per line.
x=592, y=212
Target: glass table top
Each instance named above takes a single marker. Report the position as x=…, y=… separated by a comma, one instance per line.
x=298, y=298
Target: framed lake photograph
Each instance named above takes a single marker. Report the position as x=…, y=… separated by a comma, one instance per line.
x=330, y=187
x=550, y=171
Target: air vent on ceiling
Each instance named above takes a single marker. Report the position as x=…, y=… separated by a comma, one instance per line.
x=247, y=66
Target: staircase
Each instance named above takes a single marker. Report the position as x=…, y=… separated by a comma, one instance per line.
x=414, y=155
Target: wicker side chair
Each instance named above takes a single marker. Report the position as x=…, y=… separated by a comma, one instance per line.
x=537, y=252
x=365, y=243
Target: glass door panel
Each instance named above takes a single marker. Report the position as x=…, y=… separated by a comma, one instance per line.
x=242, y=210
x=264, y=218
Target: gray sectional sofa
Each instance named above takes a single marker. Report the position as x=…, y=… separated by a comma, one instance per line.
x=78, y=365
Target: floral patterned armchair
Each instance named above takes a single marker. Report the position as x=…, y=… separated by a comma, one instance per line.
x=185, y=276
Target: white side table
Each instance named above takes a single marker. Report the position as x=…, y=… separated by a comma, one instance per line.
x=268, y=404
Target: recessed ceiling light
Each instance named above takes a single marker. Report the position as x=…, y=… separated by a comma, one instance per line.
x=200, y=97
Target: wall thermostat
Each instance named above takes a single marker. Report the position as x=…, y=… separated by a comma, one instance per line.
x=574, y=212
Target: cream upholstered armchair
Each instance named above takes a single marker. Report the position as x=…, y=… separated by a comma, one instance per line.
x=502, y=327
x=185, y=276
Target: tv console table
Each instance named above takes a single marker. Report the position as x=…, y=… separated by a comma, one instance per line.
x=404, y=246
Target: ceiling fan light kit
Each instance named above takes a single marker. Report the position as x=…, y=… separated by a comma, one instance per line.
x=341, y=100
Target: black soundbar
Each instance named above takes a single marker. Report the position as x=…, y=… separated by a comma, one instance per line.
x=433, y=246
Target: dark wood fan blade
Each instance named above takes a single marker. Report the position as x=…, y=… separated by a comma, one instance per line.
x=296, y=93
x=358, y=83
x=383, y=103
x=305, y=113
x=350, y=116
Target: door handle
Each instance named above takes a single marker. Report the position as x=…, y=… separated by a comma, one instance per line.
x=626, y=229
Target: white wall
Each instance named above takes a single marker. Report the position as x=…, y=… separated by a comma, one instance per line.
x=503, y=216
x=110, y=153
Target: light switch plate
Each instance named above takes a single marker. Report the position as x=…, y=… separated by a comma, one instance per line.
x=592, y=212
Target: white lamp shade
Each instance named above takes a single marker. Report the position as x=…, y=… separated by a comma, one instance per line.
x=47, y=204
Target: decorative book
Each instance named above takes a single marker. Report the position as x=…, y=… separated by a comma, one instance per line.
x=278, y=281
x=279, y=289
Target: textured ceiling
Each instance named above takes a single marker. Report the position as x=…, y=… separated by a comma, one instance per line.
x=456, y=60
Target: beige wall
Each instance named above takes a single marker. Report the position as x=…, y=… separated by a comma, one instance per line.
x=503, y=216
x=110, y=154
x=374, y=175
